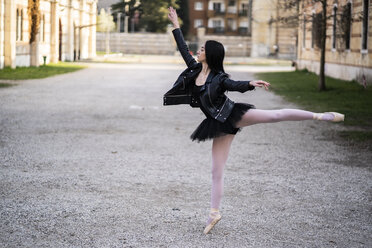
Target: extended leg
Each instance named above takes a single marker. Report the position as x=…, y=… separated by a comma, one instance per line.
x=255, y=116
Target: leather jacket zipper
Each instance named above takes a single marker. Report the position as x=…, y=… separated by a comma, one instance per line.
x=209, y=95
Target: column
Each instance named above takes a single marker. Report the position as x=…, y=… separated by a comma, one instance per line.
x=54, y=36
x=2, y=19
x=10, y=33
x=92, y=30
x=70, y=33
x=118, y=22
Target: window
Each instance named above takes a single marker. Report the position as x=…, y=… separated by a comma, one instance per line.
x=365, y=24
x=347, y=23
x=231, y=2
x=313, y=31
x=217, y=23
x=304, y=33
x=217, y=6
x=43, y=38
x=17, y=26
x=231, y=24
x=334, y=27
x=21, y=25
x=198, y=23
x=198, y=6
x=245, y=6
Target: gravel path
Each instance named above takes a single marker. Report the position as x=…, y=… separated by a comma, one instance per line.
x=93, y=159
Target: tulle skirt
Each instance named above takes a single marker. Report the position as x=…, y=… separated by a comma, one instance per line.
x=211, y=128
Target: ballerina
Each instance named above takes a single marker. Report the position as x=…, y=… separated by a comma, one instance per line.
x=203, y=85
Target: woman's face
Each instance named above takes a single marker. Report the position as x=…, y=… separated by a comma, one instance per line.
x=201, y=54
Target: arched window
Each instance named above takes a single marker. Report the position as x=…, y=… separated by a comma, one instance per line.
x=334, y=27
x=365, y=24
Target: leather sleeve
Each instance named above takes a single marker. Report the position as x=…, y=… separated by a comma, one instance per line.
x=182, y=47
x=232, y=85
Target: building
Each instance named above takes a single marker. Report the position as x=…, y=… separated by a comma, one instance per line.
x=271, y=37
x=348, y=42
x=253, y=18
x=228, y=17
x=67, y=31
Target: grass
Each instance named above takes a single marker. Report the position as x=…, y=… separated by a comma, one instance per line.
x=21, y=73
x=346, y=97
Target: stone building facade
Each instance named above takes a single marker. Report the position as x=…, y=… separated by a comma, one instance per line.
x=348, y=43
x=67, y=31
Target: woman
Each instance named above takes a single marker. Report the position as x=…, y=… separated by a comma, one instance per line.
x=202, y=85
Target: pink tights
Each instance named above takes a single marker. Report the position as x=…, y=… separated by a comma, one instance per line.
x=221, y=145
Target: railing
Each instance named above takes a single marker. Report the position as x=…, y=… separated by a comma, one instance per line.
x=243, y=12
x=218, y=30
x=243, y=30
x=219, y=12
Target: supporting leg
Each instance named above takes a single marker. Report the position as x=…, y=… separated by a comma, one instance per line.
x=220, y=151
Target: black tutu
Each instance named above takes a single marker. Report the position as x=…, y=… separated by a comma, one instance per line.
x=211, y=128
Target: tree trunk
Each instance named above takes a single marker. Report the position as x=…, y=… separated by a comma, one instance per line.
x=34, y=52
x=321, y=84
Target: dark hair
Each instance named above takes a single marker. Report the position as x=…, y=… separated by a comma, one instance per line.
x=215, y=53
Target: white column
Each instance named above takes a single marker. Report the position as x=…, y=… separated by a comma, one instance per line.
x=126, y=18
x=70, y=33
x=2, y=20
x=10, y=33
x=92, y=30
x=54, y=35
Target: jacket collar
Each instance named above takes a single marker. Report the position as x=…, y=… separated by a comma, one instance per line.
x=210, y=76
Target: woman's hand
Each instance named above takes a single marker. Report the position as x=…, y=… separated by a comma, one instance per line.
x=260, y=83
x=172, y=15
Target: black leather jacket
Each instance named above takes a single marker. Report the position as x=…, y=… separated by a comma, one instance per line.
x=212, y=96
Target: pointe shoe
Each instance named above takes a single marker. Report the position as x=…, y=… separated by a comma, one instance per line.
x=337, y=117
x=215, y=216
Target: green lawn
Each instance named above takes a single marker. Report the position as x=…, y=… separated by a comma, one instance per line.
x=349, y=98
x=21, y=73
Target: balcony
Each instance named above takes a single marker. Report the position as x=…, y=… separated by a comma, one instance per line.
x=218, y=12
x=232, y=10
x=243, y=31
x=215, y=12
x=243, y=12
x=218, y=30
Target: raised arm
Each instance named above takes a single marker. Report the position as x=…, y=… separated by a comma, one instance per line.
x=181, y=44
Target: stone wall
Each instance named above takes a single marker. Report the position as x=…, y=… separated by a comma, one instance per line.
x=137, y=43
x=235, y=46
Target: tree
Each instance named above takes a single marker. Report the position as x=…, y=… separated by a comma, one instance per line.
x=105, y=24
x=183, y=13
x=319, y=26
x=128, y=8
x=34, y=24
x=154, y=14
